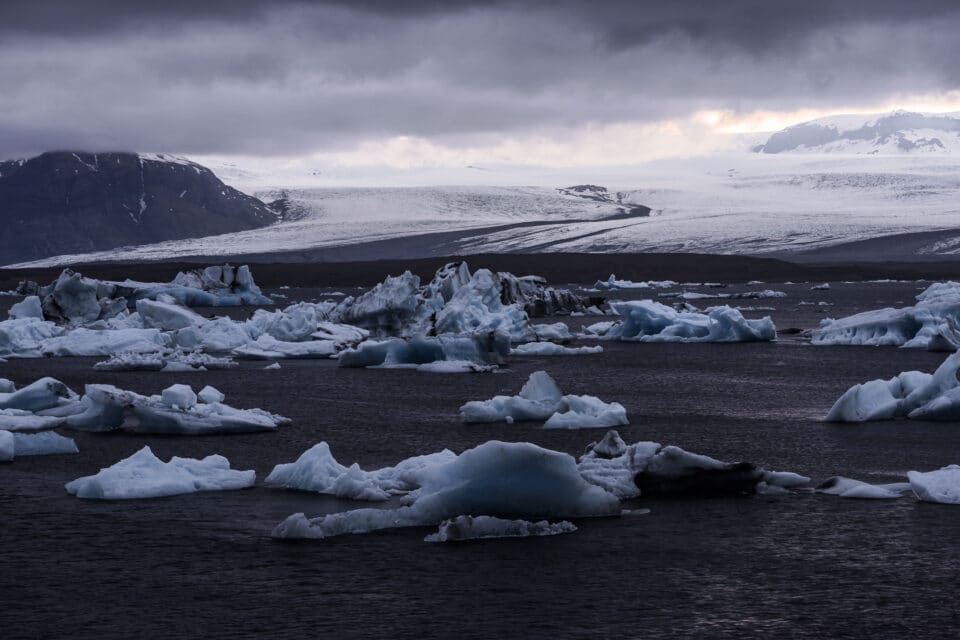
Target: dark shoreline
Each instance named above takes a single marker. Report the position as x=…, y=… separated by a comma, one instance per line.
x=556, y=267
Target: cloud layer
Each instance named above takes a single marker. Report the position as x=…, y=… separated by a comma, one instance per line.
x=289, y=78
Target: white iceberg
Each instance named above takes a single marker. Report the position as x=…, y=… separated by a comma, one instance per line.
x=105, y=342
x=171, y=361
x=484, y=349
x=29, y=307
x=541, y=399
x=41, y=394
x=942, y=485
x=143, y=475
x=850, y=488
x=318, y=471
x=487, y=527
x=15, y=445
x=911, y=394
x=613, y=283
x=931, y=323
x=649, y=321
x=552, y=349
x=175, y=411
x=510, y=480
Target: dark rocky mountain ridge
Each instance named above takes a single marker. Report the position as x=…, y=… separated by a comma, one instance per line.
x=70, y=202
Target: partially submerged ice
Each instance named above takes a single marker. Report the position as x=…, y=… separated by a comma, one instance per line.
x=941, y=485
x=177, y=410
x=489, y=348
x=932, y=323
x=541, y=399
x=651, y=469
x=15, y=445
x=176, y=360
x=911, y=394
x=143, y=475
x=464, y=528
x=649, y=321
x=552, y=349
x=502, y=479
x=850, y=488
x=318, y=471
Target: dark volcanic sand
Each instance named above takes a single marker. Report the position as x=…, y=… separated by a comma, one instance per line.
x=803, y=565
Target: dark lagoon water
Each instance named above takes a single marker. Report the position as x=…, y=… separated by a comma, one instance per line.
x=802, y=565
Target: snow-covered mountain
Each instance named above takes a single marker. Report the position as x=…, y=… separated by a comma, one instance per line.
x=891, y=133
x=803, y=197
x=66, y=202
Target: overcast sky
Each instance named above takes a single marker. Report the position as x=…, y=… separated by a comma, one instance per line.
x=408, y=83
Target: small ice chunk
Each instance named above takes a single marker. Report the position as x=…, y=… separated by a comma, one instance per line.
x=486, y=527
x=43, y=444
x=8, y=446
x=7, y=386
x=179, y=396
x=210, y=395
x=143, y=475
x=270, y=367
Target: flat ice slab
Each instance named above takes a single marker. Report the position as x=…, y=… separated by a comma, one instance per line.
x=143, y=475
x=464, y=528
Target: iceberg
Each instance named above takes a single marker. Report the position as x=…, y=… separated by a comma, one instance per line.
x=613, y=283
x=175, y=411
x=481, y=349
x=143, y=475
x=911, y=394
x=44, y=393
x=318, y=471
x=931, y=323
x=942, y=485
x=172, y=361
x=105, y=342
x=24, y=337
x=15, y=445
x=77, y=300
x=649, y=321
x=552, y=349
x=850, y=488
x=502, y=479
x=29, y=307
x=486, y=527
x=541, y=399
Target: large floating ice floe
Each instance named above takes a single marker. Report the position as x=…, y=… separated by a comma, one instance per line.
x=512, y=480
x=509, y=480
x=649, y=321
x=932, y=323
x=912, y=394
x=541, y=399
x=464, y=528
x=143, y=475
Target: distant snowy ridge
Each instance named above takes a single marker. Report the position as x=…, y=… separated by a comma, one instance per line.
x=896, y=132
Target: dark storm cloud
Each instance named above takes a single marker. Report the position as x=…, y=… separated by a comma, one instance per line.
x=288, y=77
